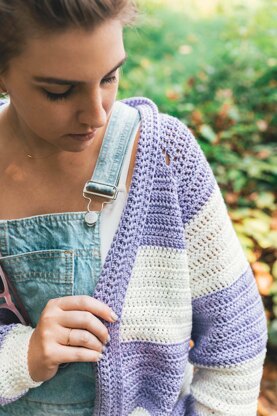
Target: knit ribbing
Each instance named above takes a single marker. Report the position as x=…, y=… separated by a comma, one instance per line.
x=15, y=384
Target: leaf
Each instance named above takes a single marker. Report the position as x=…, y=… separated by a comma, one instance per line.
x=265, y=242
x=253, y=225
x=263, y=277
x=272, y=238
x=245, y=241
x=231, y=197
x=274, y=271
x=197, y=117
x=274, y=299
x=274, y=310
x=273, y=289
x=262, y=125
x=261, y=215
x=265, y=200
x=208, y=133
x=272, y=333
x=250, y=255
x=172, y=95
x=260, y=267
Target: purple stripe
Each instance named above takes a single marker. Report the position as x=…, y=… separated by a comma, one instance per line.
x=160, y=367
x=185, y=407
x=162, y=217
x=195, y=194
x=229, y=326
x=4, y=401
x=4, y=331
x=189, y=164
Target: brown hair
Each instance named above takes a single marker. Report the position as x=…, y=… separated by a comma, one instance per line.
x=20, y=19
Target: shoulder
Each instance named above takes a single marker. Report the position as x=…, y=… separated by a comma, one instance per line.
x=170, y=127
x=176, y=140
x=186, y=162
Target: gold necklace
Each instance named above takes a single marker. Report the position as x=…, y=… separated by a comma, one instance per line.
x=29, y=155
x=41, y=157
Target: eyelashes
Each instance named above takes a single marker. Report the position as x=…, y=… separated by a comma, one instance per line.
x=63, y=96
x=109, y=80
x=57, y=97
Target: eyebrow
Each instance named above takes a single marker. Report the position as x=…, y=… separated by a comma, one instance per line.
x=50, y=80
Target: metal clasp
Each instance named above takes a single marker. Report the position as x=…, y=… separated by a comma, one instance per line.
x=100, y=189
x=93, y=188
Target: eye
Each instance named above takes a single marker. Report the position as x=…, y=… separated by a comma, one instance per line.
x=57, y=97
x=109, y=80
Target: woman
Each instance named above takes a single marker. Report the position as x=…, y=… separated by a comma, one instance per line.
x=115, y=235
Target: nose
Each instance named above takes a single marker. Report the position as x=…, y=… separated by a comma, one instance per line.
x=92, y=112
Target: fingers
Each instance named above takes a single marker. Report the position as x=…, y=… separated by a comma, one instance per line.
x=76, y=354
x=87, y=303
x=83, y=315
x=81, y=338
x=86, y=321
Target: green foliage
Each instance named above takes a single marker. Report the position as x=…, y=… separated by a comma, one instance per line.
x=219, y=76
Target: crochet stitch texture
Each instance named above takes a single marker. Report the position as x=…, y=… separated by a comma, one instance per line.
x=175, y=272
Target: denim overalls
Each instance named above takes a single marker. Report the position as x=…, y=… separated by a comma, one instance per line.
x=55, y=255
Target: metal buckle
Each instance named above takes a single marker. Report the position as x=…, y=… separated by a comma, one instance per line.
x=100, y=189
x=97, y=189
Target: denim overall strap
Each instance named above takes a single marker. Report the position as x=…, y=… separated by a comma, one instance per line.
x=123, y=122
x=122, y=125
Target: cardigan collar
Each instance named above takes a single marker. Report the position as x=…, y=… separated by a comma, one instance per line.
x=116, y=272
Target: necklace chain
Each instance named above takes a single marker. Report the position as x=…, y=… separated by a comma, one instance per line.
x=27, y=150
x=40, y=157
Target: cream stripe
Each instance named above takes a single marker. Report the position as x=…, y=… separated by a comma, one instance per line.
x=14, y=375
x=158, y=302
x=237, y=389
x=215, y=256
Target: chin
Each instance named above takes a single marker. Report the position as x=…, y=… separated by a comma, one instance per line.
x=77, y=148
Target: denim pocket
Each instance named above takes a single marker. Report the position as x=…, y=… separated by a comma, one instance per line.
x=39, y=276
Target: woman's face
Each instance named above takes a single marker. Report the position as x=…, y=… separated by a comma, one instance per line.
x=65, y=84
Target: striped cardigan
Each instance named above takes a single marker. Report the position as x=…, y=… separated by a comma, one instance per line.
x=175, y=272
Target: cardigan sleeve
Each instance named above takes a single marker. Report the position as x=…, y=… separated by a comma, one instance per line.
x=15, y=380
x=229, y=326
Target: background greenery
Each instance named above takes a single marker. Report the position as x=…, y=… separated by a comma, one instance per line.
x=213, y=65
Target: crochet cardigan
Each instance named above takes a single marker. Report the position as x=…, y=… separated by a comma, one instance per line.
x=175, y=272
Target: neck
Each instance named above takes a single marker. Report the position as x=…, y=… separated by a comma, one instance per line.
x=38, y=153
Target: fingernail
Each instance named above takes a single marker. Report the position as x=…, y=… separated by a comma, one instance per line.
x=114, y=316
x=100, y=357
x=103, y=348
x=108, y=339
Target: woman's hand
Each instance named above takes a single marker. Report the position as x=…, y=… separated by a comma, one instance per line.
x=48, y=344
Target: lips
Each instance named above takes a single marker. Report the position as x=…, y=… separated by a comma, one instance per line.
x=84, y=136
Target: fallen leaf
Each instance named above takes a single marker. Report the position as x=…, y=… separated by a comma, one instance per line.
x=172, y=95
x=263, y=277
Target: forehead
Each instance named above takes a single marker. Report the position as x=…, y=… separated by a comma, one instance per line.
x=74, y=53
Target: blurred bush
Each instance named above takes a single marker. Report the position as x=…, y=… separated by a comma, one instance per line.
x=218, y=74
